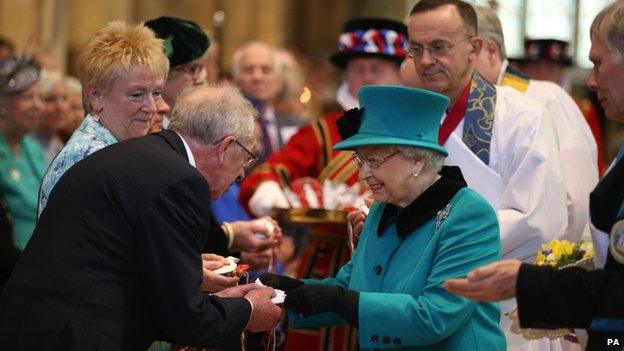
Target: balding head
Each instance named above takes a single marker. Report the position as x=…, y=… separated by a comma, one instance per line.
x=210, y=113
x=255, y=69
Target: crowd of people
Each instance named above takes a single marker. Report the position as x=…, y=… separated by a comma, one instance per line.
x=123, y=191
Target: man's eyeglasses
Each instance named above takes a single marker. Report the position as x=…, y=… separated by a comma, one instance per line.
x=251, y=160
x=436, y=49
x=372, y=162
x=197, y=70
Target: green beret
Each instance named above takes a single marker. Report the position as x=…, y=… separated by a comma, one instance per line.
x=184, y=40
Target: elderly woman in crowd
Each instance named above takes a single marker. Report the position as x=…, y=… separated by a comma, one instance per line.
x=122, y=69
x=55, y=114
x=424, y=226
x=22, y=164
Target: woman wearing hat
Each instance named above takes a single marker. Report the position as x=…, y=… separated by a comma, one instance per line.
x=424, y=226
x=22, y=163
x=122, y=69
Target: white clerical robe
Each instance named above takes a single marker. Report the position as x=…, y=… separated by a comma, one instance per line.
x=577, y=149
x=523, y=180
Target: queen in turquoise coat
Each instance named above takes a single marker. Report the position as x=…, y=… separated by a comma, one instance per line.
x=424, y=227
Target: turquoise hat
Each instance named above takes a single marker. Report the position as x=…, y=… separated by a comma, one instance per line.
x=395, y=115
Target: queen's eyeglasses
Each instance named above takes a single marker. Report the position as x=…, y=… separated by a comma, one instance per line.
x=372, y=162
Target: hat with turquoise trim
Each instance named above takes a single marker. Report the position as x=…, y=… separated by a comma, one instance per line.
x=394, y=115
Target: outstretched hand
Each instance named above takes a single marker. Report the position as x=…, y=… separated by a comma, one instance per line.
x=494, y=282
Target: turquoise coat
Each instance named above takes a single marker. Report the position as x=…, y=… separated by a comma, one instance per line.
x=20, y=178
x=402, y=302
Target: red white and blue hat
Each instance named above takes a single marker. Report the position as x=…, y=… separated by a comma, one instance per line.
x=371, y=37
x=546, y=49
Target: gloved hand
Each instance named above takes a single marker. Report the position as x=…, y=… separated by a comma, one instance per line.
x=281, y=282
x=269, y=194
x=315, y=299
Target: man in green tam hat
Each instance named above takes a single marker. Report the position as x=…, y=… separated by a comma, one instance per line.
x=186, y=45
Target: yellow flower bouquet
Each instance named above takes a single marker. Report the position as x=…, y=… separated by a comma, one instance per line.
x=557, y=254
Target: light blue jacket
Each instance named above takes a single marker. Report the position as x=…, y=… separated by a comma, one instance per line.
x=402, y=302
x=90, y=137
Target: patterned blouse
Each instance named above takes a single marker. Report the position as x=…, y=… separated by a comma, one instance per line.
x=90, y=137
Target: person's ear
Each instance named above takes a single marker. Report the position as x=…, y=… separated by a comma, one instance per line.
x=417, y=167
x=95, y=96
x=223, y=146
x=477, y=45
x=492, y=51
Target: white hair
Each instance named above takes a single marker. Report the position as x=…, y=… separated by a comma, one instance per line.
x=490, y=28
x=209, y=114
x=433, y=159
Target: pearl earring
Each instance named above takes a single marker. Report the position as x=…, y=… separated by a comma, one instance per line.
x=415, y=174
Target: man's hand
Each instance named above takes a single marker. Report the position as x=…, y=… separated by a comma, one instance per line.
x=268, y=195
x=211, y=281
x=245, y=238
x=257, y=260
x=265, y=314
x=494, y=282
x=238, y=291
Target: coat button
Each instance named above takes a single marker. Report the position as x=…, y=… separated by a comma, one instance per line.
x=396, y=341
x=378, y=269
x=375, y=338
x=387, y=339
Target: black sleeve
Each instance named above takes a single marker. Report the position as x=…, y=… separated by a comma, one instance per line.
x=8, y=252
x=571, y=297
x=217, y=241
x=174, y=225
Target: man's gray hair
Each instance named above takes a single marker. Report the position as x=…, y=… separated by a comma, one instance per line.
x=209, y=114
x=609, y=26
x=490, y=28
x=278, y=65
x=433, y=159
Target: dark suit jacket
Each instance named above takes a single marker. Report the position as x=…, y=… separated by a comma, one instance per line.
x=573, y=297
x=8, y=252
x=114, y=262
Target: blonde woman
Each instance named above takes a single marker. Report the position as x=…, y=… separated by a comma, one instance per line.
x=122, y=70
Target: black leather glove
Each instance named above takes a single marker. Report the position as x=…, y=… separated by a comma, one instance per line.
x=281, y=282
x=315, y=299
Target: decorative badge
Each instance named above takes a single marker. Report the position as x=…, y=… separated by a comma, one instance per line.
x=616, y=244
x=15, y=174
x=441, y=216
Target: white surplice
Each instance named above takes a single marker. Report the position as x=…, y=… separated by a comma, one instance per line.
x=523, y=180
x=524, y=184
x=577, y=149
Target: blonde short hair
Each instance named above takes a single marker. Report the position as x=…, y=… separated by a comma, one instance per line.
x=114, y=49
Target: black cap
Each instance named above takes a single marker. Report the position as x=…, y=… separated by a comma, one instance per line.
x=184, y=40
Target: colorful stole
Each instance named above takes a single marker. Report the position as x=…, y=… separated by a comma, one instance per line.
x=516, y=79
x=479, y=118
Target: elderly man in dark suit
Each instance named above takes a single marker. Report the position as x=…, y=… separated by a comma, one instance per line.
x=115, y=260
